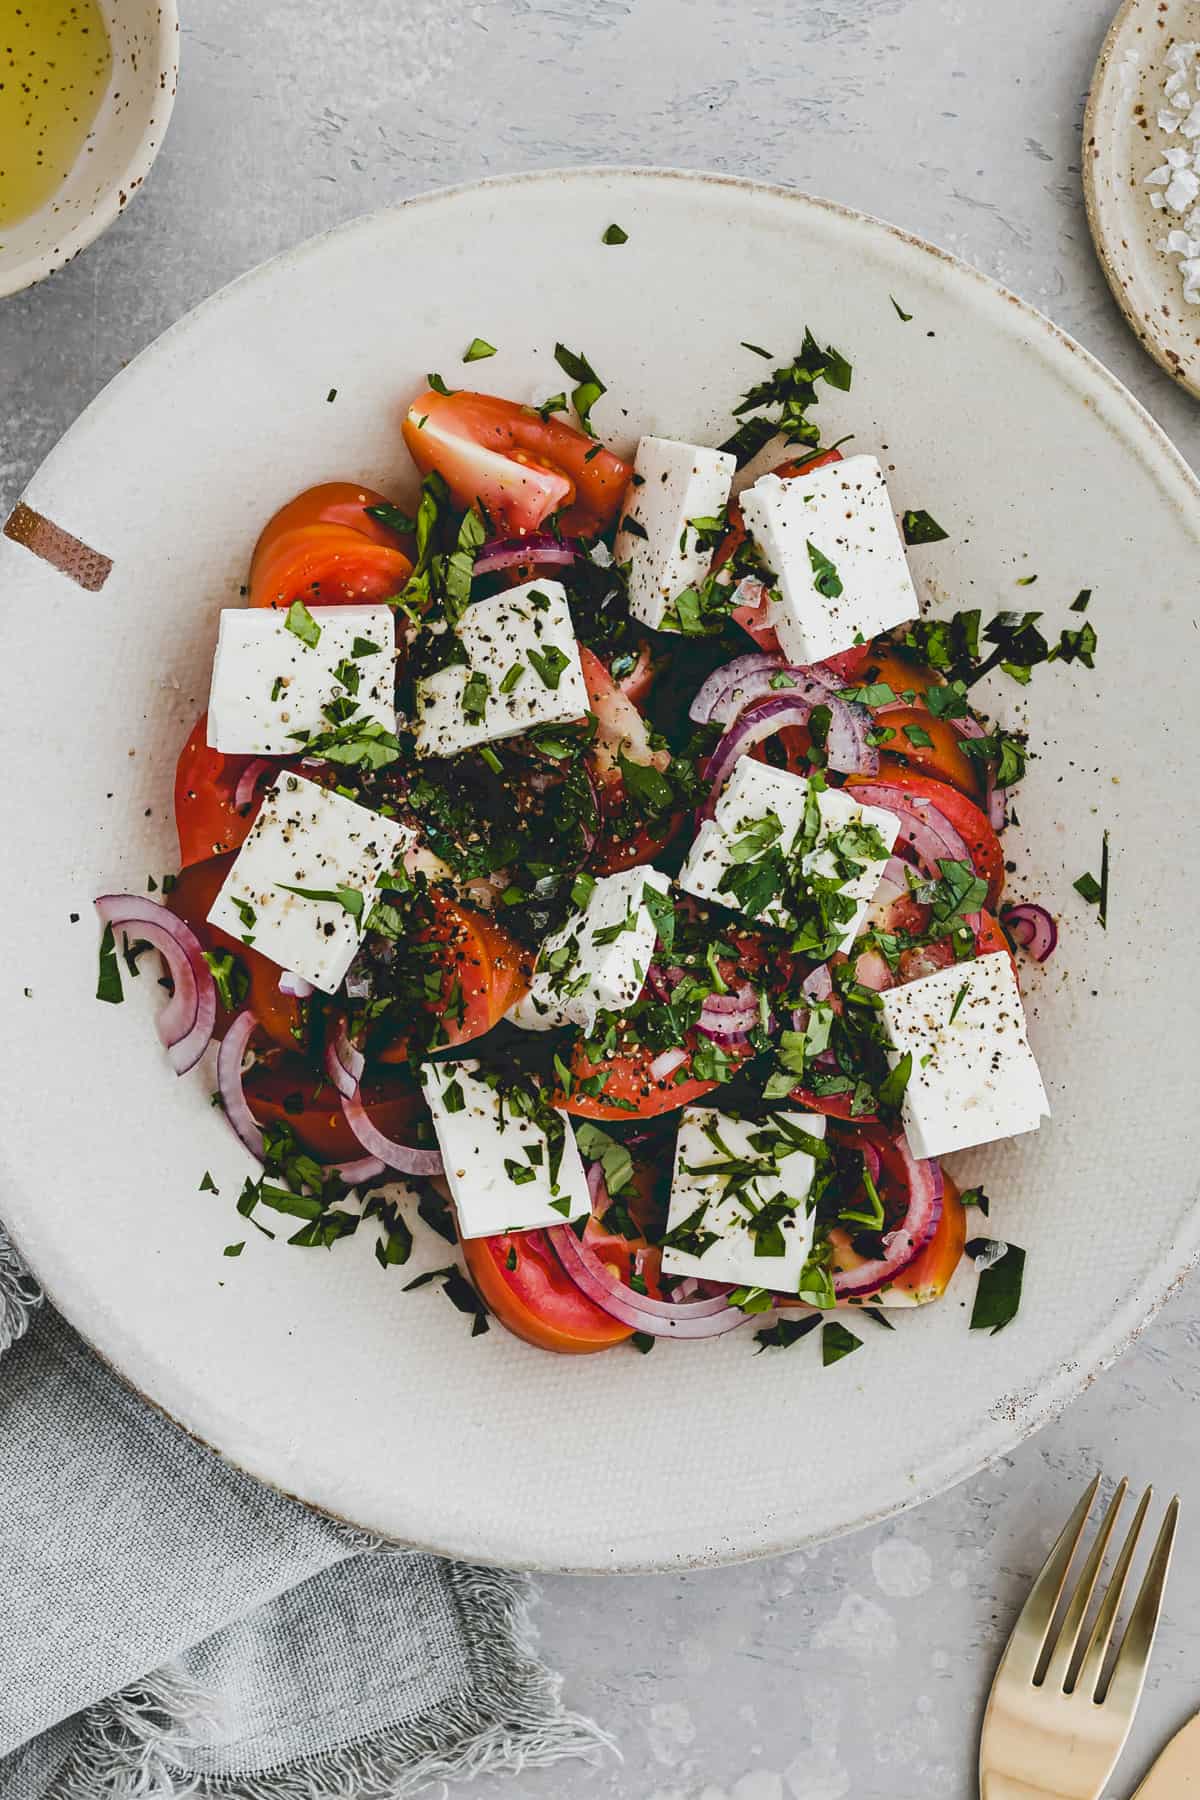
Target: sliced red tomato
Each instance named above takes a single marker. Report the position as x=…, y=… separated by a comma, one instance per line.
x=526, y=1287
x=514, y=464
x=327, y=565
x=640, y=679
x=944, y=757
x=484, y=969
x=972, y=825
x=903, y=674
x=191, y=898
x=206, y=780
x=630, y=1089
x=928, y=1277
x=341, y=503
x=287, y=1091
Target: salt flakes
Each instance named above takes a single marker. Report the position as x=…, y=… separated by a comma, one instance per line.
x=1178, y=175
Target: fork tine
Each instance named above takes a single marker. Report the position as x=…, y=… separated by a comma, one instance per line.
x=1090, y=1669
x=1059, y=1665
x=1028, y=1640
x=1129, y=1672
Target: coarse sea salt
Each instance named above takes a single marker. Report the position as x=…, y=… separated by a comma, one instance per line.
x=1175, y=183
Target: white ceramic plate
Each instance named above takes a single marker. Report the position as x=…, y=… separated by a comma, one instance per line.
x=314, y=1370
x=1122, y=143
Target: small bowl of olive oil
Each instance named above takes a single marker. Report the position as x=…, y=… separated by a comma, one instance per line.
x=86, y=91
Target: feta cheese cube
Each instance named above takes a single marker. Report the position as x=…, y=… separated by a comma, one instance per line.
x=672, y=484
x=760, y=825
x=974, y=1078
x=596, y=961
x=269, y=683
x=522, y=670
x=841, y=576
x=707, y=1203
x=497, y=1159
x=307, y=837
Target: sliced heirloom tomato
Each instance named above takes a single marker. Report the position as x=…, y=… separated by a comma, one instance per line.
x=341, y=503
x=928, y=1277
x=970, y=822
x=621, y=731
x=327, y=565
x=286, y=1091
x=527, y=1289
x=279, y=1014
x=631, y=1089
x=514, y=464
x=206, y=818
x=484, y=972
x=942, y=757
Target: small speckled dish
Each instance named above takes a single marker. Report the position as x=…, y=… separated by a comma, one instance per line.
x=1122, y=145
x=117, y=153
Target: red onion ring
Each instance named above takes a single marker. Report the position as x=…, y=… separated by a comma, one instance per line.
x=818, y=984
x=926, y=831
x=185, y=1024
x=846, y=746
x=344, y=1064
x=721, y=697
x=251, y=775
x=295, y=985
x=246, y=1127
x=659, y=1318
x=1032, y=928
x=534, y=547
x=905, y=1243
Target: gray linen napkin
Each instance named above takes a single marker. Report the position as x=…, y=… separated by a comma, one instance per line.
x=169, y=1628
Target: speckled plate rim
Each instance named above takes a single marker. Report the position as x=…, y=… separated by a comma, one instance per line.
x=1016, y=1415
x=1139, y=301
x=125, y=182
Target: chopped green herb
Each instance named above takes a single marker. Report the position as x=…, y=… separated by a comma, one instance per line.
x=511, y=679
x=615, y=235
x=836, y=1342
x=1093, y=891
x=348, y=898
x=477, y=350
x=208, y=1185
x=475, y=696
x=235, y=1249
x=998, y=1295
x=767, y=355
x=108, y=986
x=785, y=1332
x=301, y=624
x=826, y=579
x=458, y=1291
x=899, y=310
x=549, y=664
x=439, y=387
x=646, y=785
x=491, y=759
x=364, y=647
x=921, y=528
x=230, y=978
x=590, y=387
x=1026, y=580
x=1080, y=602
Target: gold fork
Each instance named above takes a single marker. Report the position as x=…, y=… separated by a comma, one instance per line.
x=1054, y=1729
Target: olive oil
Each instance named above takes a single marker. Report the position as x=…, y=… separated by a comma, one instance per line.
x=55, y=61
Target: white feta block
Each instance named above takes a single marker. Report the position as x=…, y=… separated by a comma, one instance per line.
x=672, y=484
x=522, y=670
x=703, y=1200
x=268, y=683
x=497, y=1160
x=841, y=576
x=974, y=1078
x=597, y=961
x=762, y=809
x=307, y=837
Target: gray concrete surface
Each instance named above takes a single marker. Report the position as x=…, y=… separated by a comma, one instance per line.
x=858, y=1669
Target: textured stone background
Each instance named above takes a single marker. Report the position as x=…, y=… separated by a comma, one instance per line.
x=858, y=1669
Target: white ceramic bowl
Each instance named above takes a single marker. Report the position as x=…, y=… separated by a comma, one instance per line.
x=314, y=1369
x=118, y=151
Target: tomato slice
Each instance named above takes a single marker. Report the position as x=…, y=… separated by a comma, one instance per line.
x=514, y=464
x=342, y=503
x=943, y=758
x=528, y=1290
x=630, y=1089
x=972, y=825
x=928, y=1277
x=279, y=1014
x=206, y=780
x=287, y=1091
x=327, y=565
x=484, y=972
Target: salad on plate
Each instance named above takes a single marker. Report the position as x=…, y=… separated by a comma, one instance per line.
x=602, y=864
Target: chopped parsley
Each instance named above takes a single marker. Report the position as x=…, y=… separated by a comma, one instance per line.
x=826, y=579
x=615, y=235
x=108, y=985
x=230, y=978
x=837, y=1341
x=208, y=1185
x=350, y=899
x=549, y=664
x=475, y=694
x=998, y=1295
x=899, y=310
x=1093, y=891
x=785, y=1332
x=458, y=1291
x=478, y=349
x=590, y=387
x=791, y=389
x=921, y=528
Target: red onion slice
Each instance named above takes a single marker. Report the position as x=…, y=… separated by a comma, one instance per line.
x=719, y=699
x=926, y=831
x=295, y=985
x=250, y=777
x=666, y=1064
x=186, y=1023
x=904, y=1244
x=1032, y=928
x=344, y=1064
x=710, y=1317
x=818, y=984
x=846, y=747
x=230, y=1058
x=535, y=547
